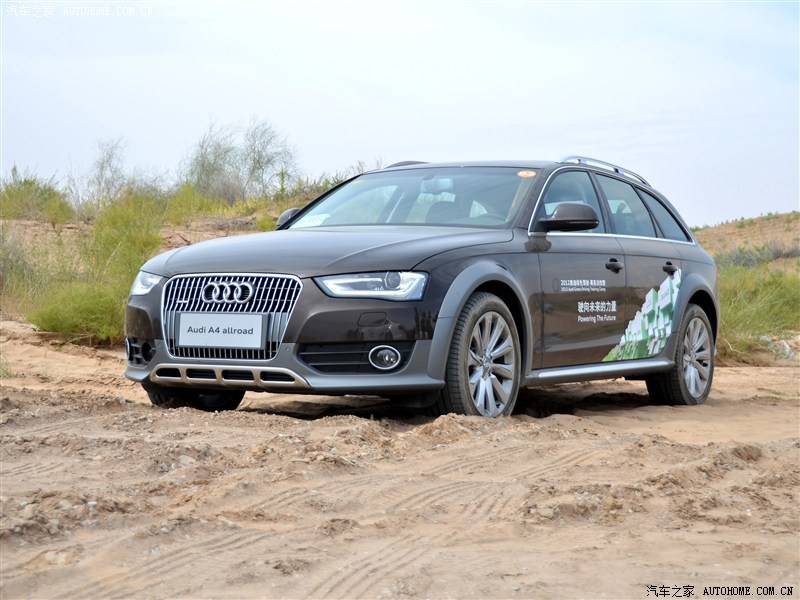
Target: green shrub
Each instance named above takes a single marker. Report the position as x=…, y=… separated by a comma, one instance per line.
x=57, y=211
x=83, y=310
x=125, y=234
x=186, y=203
x=755, y=303
x=29, y=197
x=17, y=274
x=88, y=301
x=265, y=223
x=5, y=370
x=744, y=256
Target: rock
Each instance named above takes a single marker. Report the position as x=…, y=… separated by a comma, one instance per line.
x=227, y=522
x=28, y=512
x=56, y=558
x=782, y=349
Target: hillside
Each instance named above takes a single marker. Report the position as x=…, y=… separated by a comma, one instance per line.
x=775, y=236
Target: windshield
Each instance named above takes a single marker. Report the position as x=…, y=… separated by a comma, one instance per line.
x=459, y=196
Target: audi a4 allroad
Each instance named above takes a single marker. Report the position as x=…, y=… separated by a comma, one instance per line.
x=447, y=286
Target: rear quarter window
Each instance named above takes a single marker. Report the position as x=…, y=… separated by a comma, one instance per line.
x=666, y=222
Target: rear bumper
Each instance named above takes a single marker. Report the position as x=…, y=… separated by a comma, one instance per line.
x=284, y=373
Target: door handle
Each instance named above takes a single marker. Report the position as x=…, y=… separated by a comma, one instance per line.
x=669, y=268
x=613, y=264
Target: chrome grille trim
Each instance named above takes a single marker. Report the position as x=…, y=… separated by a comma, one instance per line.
x=274, y=296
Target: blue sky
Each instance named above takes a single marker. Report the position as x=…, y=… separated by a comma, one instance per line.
x=701, y=98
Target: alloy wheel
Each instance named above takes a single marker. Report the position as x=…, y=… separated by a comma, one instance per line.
x=696, y=357
x=490, y=365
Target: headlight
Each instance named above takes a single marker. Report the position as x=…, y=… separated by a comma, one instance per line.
x=143, y=283
x=387, y=285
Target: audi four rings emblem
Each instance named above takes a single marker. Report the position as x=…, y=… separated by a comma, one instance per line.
x=230, y=292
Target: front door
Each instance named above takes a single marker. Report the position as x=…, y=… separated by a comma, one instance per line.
x=582, y=281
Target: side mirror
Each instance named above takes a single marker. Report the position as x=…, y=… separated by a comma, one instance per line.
x=286, y=216
x=571, y=216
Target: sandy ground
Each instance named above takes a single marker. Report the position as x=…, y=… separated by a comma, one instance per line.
x=589, y=492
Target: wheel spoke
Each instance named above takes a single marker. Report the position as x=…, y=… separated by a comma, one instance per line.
x=504, y=371
x=502, y=349
x=694, y=381
x=486, y=331
x=501, y=392
x=701, y=339
x=697, y=330
x=476, y=339
x=478, y=398
x=702, y=371
x=474, y=360
x=687, y=377
x=491, y=407
x=497, y=330
x=703, y=356
x=473, y=380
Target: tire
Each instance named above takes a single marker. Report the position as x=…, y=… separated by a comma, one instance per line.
x=207, y=400
x=694, y=350
x=474, y=383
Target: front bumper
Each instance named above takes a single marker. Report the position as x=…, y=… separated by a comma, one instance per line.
x=317, y=319
x=285, y=373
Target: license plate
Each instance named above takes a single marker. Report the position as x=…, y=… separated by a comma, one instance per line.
x=210, y=330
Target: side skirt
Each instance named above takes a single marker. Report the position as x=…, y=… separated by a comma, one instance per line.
x=623, y=368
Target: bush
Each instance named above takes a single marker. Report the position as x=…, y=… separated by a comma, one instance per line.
x=88, y=301
x=755, y=303
x=18, y=276
x=265, y=223
x=744, y=256
x=125, y=235
x=186, y=203
x=57, y=212
x=29, y=197
x=83, y=310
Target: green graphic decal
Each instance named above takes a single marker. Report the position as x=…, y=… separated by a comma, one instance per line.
x=647, y=333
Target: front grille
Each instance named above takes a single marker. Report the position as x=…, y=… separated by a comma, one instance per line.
x=347, y=357
x=273, y=296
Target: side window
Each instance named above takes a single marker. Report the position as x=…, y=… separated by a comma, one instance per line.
x=666, y=222
x=572, y=186
x=628, y=213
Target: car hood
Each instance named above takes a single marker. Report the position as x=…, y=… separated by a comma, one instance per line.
x=321, y=251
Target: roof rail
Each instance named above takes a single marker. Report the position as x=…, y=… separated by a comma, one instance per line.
x=605, y=165
x=405, y=163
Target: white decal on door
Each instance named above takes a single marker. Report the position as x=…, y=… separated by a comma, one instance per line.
x=647, y=333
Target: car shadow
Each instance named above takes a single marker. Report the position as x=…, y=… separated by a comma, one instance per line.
x=545, y=402
x=538, y=403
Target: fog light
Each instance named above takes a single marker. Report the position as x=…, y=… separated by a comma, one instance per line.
x=384, y=358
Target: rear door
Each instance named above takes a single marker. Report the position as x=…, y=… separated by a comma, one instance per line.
x=582, y=279
x=653, y=268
